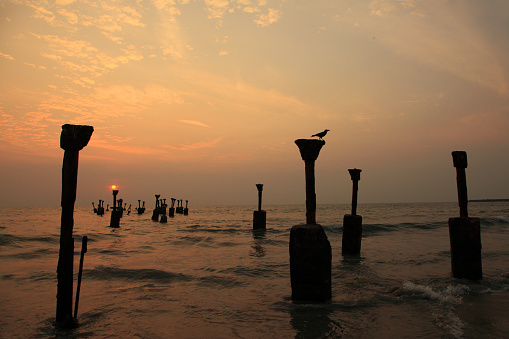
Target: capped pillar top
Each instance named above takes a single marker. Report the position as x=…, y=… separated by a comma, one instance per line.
x=75, y=137
x=259, y=187
x=459, y=159
x=355, y=174
x=309, y=148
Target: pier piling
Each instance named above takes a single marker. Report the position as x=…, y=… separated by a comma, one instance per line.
x=310, y=250
x=260, y=216
x=465, y=231
x=72, y=139
x=116, y=211
x=352, y=223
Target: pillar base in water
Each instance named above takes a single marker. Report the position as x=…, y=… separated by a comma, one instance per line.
x=310, y=264
x=259, y=220
x=115, y=219
x=164, y=219
x=465, y=239
x=186, y=211
x=171, y=212
x=352, y=234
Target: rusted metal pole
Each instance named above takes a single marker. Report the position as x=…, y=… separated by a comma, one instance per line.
x=72, y=139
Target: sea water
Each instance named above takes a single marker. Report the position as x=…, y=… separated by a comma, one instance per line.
x=209, y=275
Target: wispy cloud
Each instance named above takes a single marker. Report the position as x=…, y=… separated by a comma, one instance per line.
x=196, y=145
x=194, y=122
x=6, y=56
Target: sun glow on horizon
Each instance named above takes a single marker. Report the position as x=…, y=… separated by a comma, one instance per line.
x=113, y=187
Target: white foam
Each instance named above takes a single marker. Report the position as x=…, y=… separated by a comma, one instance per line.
x=451, y=295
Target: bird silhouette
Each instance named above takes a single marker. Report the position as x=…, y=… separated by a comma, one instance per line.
x=321, y=134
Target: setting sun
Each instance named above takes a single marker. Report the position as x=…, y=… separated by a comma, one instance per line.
x=113, y=187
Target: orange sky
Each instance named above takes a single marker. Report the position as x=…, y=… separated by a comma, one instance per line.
x=201, y=100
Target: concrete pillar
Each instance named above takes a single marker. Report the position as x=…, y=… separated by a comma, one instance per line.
x=260, y=216
x=464, y=232
x=186, y=210
x=310, y=250
x=352, y=223
x=116, y=212
x=72, y=139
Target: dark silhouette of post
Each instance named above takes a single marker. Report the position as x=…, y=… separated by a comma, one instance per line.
x=116, y=211
x=310, y=250
x=186, y=210
x=260, y=216
x=352, y=223
x=155, y=212
x=309, y=151
x=72, y=139
x=80, y=274
x=464, y=232
x=171, y=211
x=100, y=208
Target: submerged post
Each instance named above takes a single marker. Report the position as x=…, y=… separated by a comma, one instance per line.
x=464, y=232
x=260, y=216
x=352, y=223
x=186, y=210
x=116, y=212
x=310, y=250
x=72, y=139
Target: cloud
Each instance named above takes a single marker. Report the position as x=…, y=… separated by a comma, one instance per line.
x=196, y=145
x=6, y=56
x=269, y=18
x=194, y=122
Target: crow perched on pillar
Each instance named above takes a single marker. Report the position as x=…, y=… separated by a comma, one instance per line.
x=321, y=134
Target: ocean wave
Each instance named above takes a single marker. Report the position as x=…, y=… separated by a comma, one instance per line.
x=141, y=274
x=450, y=295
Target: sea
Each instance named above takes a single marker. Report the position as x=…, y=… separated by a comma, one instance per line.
x=210, y=275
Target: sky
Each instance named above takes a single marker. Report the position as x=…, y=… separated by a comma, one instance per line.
x=201, y=100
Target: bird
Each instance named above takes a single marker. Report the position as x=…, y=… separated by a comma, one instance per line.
x=321, y=134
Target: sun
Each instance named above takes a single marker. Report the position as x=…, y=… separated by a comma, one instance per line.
x=113, y=187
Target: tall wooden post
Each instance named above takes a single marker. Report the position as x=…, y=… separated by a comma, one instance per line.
x=464, y=232
x=352, y=223
x=310, y=250
x=72, y=139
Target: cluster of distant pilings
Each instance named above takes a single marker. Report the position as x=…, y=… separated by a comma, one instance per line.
x=159, y=212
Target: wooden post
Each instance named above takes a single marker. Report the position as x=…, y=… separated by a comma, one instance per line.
x=464, y=232
x=72, y=139
x=80, y=274
x=352, y=223
x=310, y=250
x=260, y=216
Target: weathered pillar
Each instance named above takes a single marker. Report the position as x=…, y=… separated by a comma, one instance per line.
x=260, y=216
x=72, y=139
x=310, y=250
x=171, y=211
x=116, y=211
x=464, y=232
x=155, y=212
x=186, y=210
x=100, y=208
x=352, y=223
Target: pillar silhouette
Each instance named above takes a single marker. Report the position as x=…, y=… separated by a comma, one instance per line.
x=310, y=250
x=352, y=223
x=72, y=139
x=260, y=216
x=464, y=232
